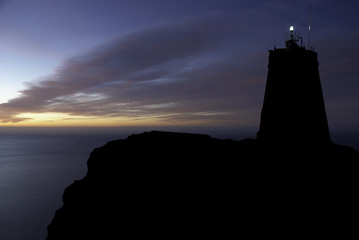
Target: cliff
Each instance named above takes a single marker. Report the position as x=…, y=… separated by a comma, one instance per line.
x=168, y=185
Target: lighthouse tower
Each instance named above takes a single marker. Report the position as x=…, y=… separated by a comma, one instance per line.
x=293, y=110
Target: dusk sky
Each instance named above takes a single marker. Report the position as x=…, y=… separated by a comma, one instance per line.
x=165, y=62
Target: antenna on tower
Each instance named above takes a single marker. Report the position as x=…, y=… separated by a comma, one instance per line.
x=310, y=19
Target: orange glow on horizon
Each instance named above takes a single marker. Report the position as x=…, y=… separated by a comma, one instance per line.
x=66, y=120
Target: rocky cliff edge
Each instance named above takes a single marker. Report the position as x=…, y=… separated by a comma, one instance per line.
x=169, y=185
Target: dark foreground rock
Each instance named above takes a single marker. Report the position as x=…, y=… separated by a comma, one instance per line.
x=171, y=185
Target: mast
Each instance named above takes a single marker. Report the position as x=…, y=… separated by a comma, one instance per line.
x=310, y=18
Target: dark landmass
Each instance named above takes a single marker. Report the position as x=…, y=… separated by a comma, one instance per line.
x=169, y=185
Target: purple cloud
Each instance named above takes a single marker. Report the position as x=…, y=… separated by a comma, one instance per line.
x=168, y=70
x=209, y=68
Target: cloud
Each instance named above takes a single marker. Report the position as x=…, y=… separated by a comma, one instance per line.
x=211, y=68
x=179, y=69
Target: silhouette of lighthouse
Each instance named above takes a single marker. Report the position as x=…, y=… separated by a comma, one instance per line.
x=293, y=110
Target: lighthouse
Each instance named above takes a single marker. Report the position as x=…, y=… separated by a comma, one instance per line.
x=293, y=109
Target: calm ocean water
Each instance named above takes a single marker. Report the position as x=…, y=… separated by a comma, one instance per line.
x=34, y=171
x=37, y=165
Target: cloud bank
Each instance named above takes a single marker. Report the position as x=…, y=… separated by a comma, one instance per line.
x=177, y=72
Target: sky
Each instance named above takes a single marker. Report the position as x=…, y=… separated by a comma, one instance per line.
x=165, y=62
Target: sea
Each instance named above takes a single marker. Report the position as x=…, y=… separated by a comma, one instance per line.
x=37, y=164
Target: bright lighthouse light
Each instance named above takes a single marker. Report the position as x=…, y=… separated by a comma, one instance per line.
x=291, y=28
